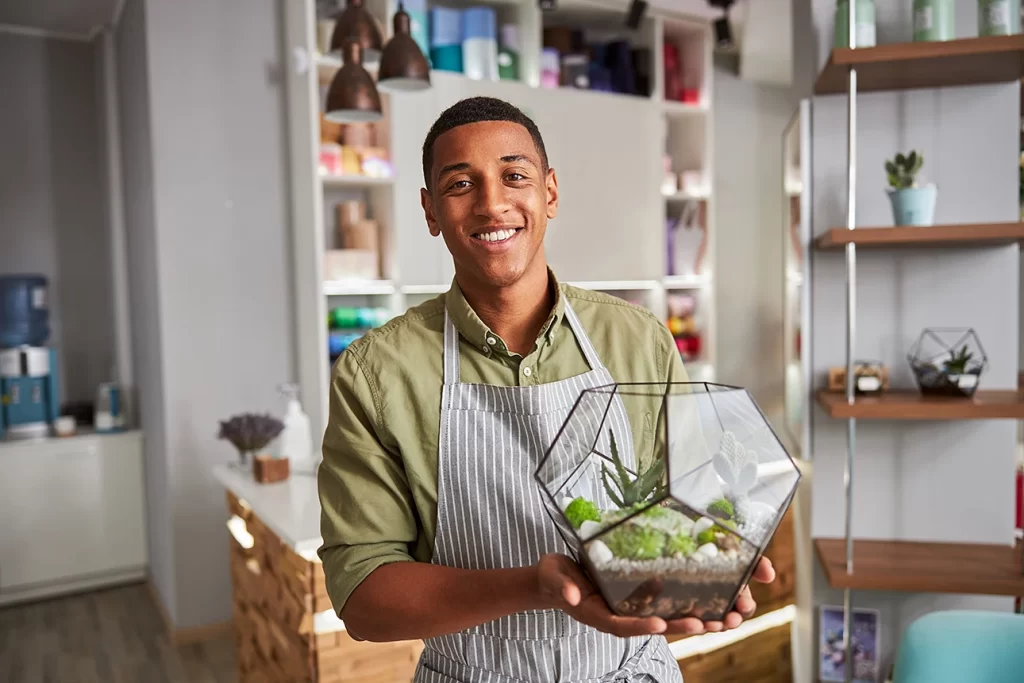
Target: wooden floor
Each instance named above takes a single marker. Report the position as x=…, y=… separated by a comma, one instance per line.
x=110, y=636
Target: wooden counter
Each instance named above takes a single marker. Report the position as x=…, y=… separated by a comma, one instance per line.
x=285, y=627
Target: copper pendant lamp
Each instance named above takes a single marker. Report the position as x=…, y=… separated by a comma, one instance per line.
x=356, y=22
x=403, y=67
x=353, y=96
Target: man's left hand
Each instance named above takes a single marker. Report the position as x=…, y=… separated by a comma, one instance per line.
x=744, y=609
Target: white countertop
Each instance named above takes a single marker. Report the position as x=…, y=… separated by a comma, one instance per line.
x=291, y=508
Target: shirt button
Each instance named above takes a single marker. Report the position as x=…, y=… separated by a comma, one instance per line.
x=486, y=349
x=492, y=341
x=527, y=371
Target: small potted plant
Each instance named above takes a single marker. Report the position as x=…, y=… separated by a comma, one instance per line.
x=948, y=362
x=912, y=202
x=250, y=434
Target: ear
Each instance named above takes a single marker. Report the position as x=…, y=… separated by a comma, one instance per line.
x=428, y=212
x=551, y=185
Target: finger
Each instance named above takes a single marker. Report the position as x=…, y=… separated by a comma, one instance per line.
x=713, y=626
x=765, y=572
x=732, y=620
x=745, y=603
x=688, y=626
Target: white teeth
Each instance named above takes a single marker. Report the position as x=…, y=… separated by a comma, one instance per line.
x=497, y=236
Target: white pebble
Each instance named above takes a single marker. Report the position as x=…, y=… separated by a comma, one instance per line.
x=589, y=528
x=703, y=524
x=565, y=502
x=709, y=550
x=599, y=553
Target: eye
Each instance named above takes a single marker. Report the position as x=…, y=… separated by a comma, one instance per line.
x=459, y=185
x=515, y=177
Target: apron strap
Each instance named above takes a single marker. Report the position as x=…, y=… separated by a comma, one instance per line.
x=589, y=352
x=451, y=350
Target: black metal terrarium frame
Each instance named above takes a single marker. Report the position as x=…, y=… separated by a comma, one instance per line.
x=575, y=543
x=933, y=380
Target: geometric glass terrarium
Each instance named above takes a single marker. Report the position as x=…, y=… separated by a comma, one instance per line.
x=667, y=494
x=948, y=361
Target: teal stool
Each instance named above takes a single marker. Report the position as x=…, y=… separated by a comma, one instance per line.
x=962, y=646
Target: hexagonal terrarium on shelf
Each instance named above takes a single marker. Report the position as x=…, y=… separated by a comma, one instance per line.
x=948, y=361
x=667, y=494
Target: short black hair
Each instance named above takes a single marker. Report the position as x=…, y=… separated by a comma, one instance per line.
x=474, y=110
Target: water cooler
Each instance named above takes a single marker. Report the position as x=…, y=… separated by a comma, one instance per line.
x=29, y=395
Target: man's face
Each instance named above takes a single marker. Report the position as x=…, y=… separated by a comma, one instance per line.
x=490, y=199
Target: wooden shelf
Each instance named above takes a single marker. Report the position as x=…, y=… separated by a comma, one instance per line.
x=917, y=567
x=938, y=64
x=911, y=405
x=981, y=234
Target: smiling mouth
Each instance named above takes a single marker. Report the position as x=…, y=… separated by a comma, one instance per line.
x=496, y=235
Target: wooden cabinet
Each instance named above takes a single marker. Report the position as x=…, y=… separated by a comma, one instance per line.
x=284, y=625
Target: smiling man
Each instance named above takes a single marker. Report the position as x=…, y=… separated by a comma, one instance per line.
x=433, y=525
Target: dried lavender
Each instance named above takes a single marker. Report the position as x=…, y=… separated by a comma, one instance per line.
x=250, y=432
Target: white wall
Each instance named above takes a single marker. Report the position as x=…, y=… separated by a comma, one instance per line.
x=133, y=85
x=203, y=123
x=917, y=481
x=52, y=211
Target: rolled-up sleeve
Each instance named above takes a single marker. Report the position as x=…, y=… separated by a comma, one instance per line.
x=367, y=514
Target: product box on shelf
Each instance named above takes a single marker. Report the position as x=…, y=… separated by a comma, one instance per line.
x=667, y=494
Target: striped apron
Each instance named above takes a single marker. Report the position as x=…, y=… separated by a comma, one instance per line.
x=490, y=515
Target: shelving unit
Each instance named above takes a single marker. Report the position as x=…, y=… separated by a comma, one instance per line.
x=853, y=563
x=598, y=239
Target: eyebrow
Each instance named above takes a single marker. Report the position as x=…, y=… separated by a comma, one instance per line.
x=464, y=166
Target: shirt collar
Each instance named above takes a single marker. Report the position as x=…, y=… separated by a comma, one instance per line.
x=474, y=330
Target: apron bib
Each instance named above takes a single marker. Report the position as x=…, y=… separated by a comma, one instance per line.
x=490, y=515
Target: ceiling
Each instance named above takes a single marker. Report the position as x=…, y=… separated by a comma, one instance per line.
x=67, y=17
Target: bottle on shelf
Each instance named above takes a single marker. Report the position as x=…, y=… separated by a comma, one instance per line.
x=480, y=43
x=446, y=39
x=296, y=440
x=508, y=54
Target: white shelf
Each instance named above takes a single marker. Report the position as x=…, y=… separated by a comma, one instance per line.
x=358, y=287
x=686, y=282
x=688, y=196
x=357, y=181
x=673, y=108
x=424, y=289
x=618, y=285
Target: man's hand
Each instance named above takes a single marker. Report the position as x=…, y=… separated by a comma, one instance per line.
x=564, y=586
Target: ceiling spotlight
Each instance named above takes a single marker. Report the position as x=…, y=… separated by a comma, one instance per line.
x=353, y=96
x=403, y=65
x=356, y=23
x=723, y=30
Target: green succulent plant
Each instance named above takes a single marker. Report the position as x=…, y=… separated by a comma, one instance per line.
x=628, y=491
x=902, y=170
x=680, y=544
x=581, y=510
x=706, y=536
x=634, y=542
x=958, y=360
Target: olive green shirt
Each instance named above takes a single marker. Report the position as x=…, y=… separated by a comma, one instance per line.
x=378, y=480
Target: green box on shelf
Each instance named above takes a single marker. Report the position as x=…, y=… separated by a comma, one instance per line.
x=934, y=20
x=667, y=494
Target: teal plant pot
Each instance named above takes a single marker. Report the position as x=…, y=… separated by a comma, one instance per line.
x=914, y=205
x=934, y=20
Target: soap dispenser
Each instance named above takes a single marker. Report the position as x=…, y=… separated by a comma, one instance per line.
x=296, y=441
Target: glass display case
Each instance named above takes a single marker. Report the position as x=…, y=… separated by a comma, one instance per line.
x=796, y=236
x=667, y=494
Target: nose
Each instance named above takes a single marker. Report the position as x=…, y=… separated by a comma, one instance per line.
x=491, y=200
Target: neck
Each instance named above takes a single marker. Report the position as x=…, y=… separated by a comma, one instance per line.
x=515, y=312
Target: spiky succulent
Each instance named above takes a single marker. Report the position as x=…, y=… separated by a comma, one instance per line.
x=958, y=360
x=581, y=510
x=902, y=170
x=680, y=544
x=629, y=491
x=633, y=542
